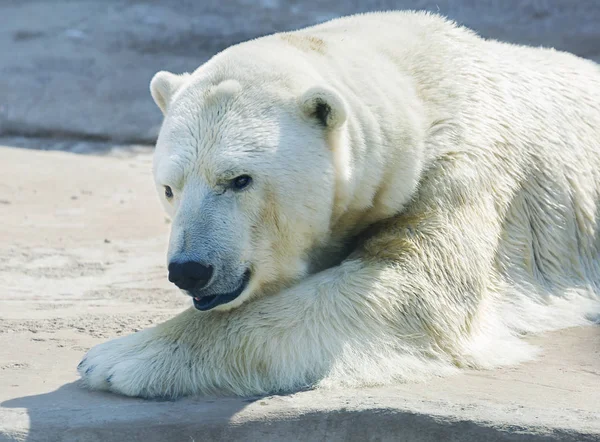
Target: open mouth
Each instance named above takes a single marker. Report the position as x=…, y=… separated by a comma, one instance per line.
x=205, y=303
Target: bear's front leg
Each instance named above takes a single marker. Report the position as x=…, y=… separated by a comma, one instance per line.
x=328, y=326
x=188, y=354
x=277, y=343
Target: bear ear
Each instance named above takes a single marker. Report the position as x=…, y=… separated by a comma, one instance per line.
x=162, y=87
x=325, y=106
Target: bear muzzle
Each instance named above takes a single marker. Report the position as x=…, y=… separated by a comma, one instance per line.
x=207, y=302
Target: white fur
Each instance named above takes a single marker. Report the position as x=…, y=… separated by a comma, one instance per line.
x=448, y=204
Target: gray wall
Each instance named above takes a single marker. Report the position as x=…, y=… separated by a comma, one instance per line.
x=77, y=71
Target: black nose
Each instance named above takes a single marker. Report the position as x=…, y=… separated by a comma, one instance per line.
x=190, y=274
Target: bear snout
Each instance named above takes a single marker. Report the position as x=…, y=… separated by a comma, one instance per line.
x=190, y=275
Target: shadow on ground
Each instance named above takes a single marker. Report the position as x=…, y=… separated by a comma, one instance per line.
x=73, y=414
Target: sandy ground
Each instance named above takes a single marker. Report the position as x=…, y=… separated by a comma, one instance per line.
x=82, y=259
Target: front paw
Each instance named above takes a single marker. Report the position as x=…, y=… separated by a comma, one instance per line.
x=135, y=365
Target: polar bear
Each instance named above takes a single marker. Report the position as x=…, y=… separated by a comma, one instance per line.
x=383, y=197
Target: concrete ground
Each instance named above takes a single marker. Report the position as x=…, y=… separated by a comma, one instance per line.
x=82, y=259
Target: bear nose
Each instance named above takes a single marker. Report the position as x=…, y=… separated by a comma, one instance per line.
x=190, y=274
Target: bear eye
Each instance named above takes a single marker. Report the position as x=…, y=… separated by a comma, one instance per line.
x=241, y=182
x=168, y=192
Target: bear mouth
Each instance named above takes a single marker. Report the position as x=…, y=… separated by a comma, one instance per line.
x=205, y=303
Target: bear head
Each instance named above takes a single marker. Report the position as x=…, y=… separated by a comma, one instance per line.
x=249, y=167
